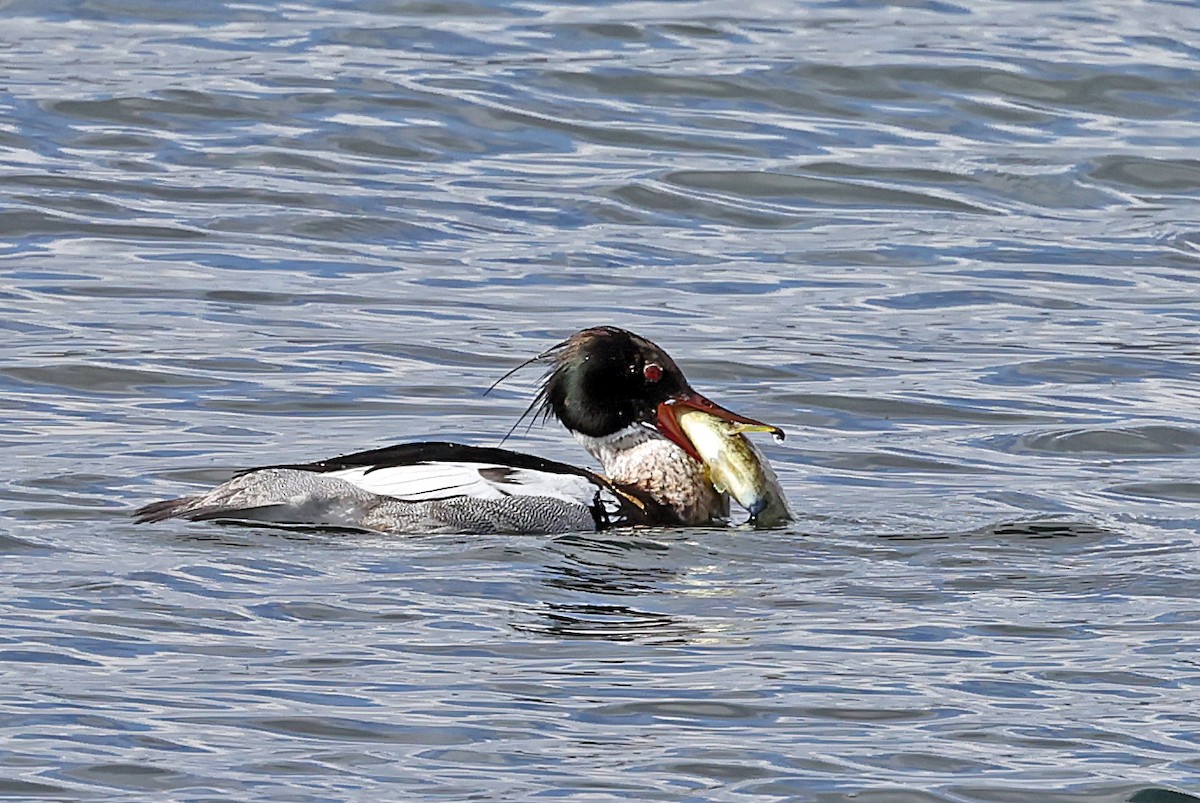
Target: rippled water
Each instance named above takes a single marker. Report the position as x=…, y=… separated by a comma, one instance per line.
x=954, y=249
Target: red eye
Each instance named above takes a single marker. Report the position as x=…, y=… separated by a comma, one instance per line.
x=653, y=371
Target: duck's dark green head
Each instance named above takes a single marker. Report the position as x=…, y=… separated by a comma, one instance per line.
x=604, y=380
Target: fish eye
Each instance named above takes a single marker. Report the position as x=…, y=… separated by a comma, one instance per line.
x=652, y=372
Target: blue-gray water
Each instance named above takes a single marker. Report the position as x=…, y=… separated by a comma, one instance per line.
x=952, y=248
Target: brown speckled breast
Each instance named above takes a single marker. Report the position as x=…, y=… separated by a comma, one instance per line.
x=664, y=471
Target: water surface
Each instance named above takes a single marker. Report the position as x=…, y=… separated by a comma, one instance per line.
x=953, y=249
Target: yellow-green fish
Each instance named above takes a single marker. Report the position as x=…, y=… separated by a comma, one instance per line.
x=736, y=466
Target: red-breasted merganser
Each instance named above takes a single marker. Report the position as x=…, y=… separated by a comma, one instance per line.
x=620, y=395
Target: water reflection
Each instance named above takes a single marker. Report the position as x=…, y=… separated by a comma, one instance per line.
x=620, y=569
x=1031, y=529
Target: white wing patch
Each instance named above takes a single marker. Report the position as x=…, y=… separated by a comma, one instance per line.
x=441, y=480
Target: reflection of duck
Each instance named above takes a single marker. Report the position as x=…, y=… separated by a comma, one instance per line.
x=617, y=393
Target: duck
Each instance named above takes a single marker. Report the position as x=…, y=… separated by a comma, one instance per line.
x=621, y=397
